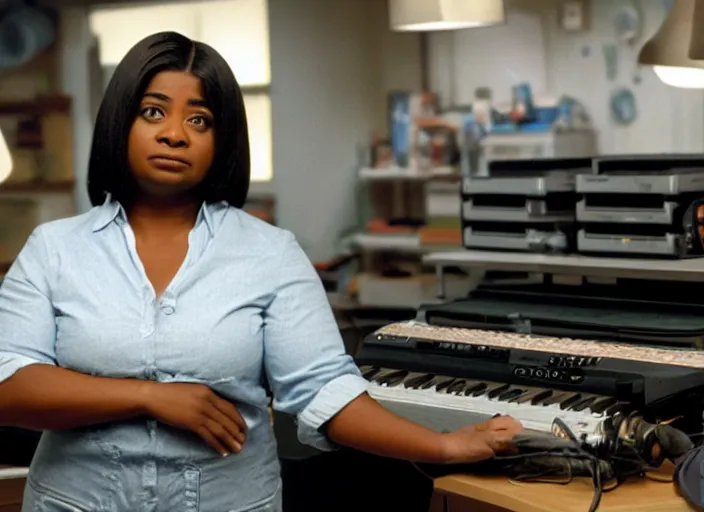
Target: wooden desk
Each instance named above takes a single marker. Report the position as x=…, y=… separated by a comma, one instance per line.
x=466, y=493
x=12, y=482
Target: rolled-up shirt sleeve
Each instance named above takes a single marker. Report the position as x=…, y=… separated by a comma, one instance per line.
x=310, y=374
x=27, y=321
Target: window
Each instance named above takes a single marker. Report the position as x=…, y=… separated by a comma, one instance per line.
x=238, y=29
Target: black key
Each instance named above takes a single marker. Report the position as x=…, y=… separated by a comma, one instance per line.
x=583, y=404
x=418, y=381
x=511, y=393
x=369, y=371
x=555, y=398
x=565, y=404
x=524, y=397
x=432, y=382
x=472, y=385
x=456, y=387
x=621, y=407
x=444, y=382
x=394, y=378
x=478, y=389
x=542, y=395
x=600, y=405
x=493, y=393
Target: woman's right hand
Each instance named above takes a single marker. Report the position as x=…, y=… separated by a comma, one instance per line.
x=197, y=408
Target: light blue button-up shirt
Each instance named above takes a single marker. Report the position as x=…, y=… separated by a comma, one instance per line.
x=245, y=303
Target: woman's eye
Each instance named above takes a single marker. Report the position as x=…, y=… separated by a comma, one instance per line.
x=151, y=113
x=201, y=121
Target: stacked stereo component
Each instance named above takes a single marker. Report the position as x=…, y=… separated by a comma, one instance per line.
x=523, y=205
x=634, y=205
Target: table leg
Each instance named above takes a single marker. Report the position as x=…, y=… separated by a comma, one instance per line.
x=440, y=277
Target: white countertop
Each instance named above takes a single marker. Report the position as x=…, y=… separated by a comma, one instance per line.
x=9, y=473
x=691, y=269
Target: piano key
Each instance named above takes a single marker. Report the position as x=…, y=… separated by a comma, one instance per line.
x=369, y=371
x=528, y=395
x=382, y=373
x=456, y=387
x=615, y=408
x=542, y=395
x=600, y=405
x=511, y=393
x=417, y=381
x=475, y=390
x=569, y=401
x=393, y=378
x=443, y=382
x=583, y=404
x=496, y=391
x=555, y=398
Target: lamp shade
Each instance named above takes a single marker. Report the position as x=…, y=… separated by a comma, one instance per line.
x=5, y=159
x=434, y=15
x=668, y=50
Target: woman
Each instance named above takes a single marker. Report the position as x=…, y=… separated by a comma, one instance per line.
x=139, y=335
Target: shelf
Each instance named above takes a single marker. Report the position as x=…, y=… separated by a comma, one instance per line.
x=36, y=107
x=390, y=242
x=691, y=270
x=406, y=243
x=37, y=187
x=401, y=173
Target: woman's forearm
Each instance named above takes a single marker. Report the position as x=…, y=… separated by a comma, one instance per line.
x=46, y=397
x=365, y=425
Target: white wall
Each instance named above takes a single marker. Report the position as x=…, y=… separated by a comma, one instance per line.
x=77, y=47
x=330, y=73
x=669, y=119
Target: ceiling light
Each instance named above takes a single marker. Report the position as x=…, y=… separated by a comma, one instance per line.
x=435, y=15
x=668, y=50
x=5, y=159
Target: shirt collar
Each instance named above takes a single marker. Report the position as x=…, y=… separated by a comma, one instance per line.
x=112, y=211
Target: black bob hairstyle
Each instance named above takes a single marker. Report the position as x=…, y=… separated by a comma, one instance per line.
x=108, y=169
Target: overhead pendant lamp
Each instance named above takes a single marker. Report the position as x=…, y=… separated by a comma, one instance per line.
x=5, y=159
x=668, y=50
x=435, y=15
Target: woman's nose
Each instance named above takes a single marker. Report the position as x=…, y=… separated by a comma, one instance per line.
x=173, y=135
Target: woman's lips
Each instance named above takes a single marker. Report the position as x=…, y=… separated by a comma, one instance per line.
x=168, y=164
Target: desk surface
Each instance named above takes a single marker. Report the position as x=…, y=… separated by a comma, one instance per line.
x=641, y=495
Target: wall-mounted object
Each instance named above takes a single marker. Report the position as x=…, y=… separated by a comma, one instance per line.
x=623, y=107
x=668, y=50
x=25, y=32
x=574, y=15
x=628, y=22
x=436, y=15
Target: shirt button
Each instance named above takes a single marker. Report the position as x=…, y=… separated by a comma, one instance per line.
x=168, y=310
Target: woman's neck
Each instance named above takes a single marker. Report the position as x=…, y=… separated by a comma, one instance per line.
x=163, y=214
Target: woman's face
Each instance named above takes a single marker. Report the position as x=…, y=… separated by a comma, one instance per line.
x=171, y=143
